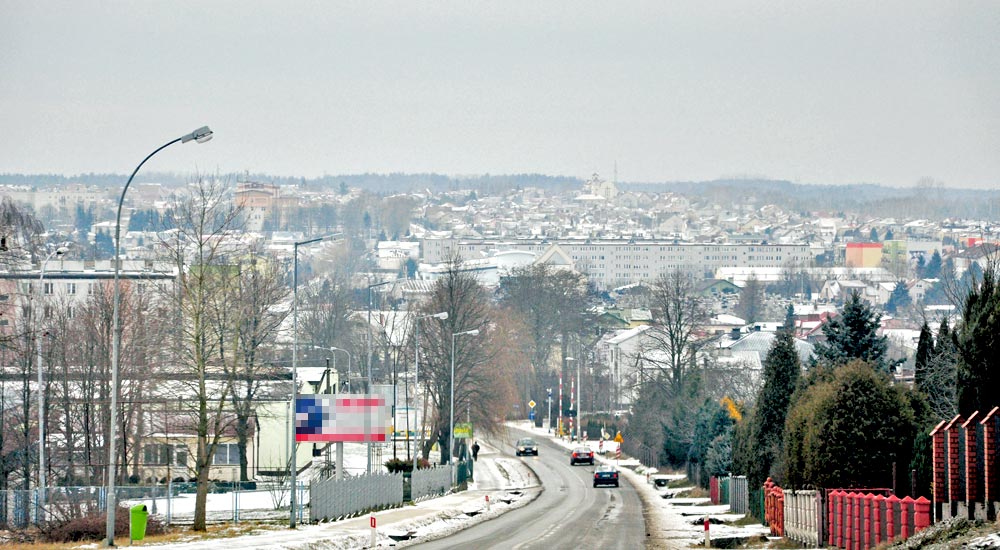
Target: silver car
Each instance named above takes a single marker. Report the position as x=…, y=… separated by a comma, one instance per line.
x=526, y=446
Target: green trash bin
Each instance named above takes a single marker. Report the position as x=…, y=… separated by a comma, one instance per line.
x=137, y=525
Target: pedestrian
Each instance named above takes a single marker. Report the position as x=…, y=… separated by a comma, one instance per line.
x=475, y=451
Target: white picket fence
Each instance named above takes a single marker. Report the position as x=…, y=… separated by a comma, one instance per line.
x=430, y=482
x=803, y=517
x=331, y=499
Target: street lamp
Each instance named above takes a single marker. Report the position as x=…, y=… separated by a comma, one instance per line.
x=416, y=382
x=41, y=391
x=368, y=360
x=333, y=348
x=201, y=135
x=451, y=423
x=292, y=462
x=567, y=360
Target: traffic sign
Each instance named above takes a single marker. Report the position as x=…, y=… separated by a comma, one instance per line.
x=532, y=403
x=618, y=437
x=531, y=414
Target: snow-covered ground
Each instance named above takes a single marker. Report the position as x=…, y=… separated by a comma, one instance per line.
x=672, y=522
x=507, y=482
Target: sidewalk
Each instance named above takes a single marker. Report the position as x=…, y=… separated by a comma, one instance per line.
x=671, y=522
x=507, y=481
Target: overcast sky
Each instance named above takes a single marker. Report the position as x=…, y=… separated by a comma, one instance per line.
x=831, y=92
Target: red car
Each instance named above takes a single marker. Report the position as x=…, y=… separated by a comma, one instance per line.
x=581, y=455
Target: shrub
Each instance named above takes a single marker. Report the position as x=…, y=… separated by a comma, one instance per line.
x=93, y=526
x=398, y=465
x=847, y=432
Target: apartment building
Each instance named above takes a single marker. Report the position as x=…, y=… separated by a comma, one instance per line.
x=611, y=263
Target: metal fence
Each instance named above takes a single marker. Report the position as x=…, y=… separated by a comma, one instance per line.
x=333, y=499
x=756, y=504
x=739, y=497
x=18, y=508
x=430, y=482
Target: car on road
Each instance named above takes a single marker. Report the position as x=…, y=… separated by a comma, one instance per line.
x=581, y=455
x=606, y=475
x=526, y=446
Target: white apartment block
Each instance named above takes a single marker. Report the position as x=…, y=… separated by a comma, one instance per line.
x=617, y=262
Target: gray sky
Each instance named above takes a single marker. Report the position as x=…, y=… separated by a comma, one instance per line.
x=832, y=92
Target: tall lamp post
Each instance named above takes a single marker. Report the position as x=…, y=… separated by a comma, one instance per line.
x=293, y=455
x=451, y=422
x=368, y=360
x=41, y=379
x=571, y=404
x=416, y=382
x=201, y=135
x=333, y=348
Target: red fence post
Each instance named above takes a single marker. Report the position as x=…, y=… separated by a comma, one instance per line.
x=767, y=501
x=713, y=489
x=904, y=516
x=921, y=514
x=868, y=520
x=938, y=462
x=990, y=475
x=971, y=473
x=954, y=474
x=890, y=517
x=878, y=503
x=849, y=522
x=840, y=519
x=859, y=503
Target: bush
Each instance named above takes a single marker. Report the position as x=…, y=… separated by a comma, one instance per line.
x=396, y=465
x=93, y=526
x=847, y=432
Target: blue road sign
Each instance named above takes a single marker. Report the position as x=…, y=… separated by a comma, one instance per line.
x=531, y=414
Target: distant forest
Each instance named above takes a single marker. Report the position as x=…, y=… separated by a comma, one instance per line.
x=927, y=199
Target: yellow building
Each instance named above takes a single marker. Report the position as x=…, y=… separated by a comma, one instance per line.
x=864, y=255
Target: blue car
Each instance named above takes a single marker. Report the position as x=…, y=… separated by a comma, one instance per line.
x=606, y=475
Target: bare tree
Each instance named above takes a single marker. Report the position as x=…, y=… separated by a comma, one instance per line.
x=205, y=244
x=673, y=340
x=482, y=381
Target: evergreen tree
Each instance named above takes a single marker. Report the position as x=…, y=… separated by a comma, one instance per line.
x=873, y=237
x=940, y=374
x=781, y=374
x=853, y=335
x=979, y=346
x=933, y=268
x=925, y=350
x=888, y=235
x=899, y=299
x=789, y=319
x=859, y=408
x=921, y=267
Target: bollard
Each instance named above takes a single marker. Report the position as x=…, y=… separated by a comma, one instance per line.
x=487, y=503
x=371, y=522
x=708, y=542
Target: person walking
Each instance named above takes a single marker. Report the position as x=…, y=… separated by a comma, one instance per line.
x=475, y=451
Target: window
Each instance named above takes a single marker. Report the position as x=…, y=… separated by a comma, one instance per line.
x=47, y=312
x=90, y=289
x=69, y=312
x=4, y=297
x=70, y=288
x=227, y=453
x=49, y=289
x=159, y=454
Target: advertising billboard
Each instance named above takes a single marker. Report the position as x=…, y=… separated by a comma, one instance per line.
x=349, y=418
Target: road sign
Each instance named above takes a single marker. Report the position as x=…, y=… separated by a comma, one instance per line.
x=532, y=403
x=463, y=430
x=618, y=438
x=531, y=414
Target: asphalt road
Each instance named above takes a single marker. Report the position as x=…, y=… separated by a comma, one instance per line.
x=570, y=512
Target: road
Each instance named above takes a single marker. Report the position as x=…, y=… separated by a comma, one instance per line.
x=570, y=512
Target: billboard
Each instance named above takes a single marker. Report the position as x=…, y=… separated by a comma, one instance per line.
x=349, y=418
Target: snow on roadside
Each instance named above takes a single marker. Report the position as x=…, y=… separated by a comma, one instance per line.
x=673, y=522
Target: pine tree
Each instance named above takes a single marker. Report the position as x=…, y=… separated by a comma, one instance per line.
x=853, y=335
x=781, y=374
x=979, y=346
x=933, y=268
x=925, y=349
x=899, y=299
x=789, y=319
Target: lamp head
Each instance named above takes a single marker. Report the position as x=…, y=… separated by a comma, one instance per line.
x=443, y=315
x=472, y=332
x=201, y=135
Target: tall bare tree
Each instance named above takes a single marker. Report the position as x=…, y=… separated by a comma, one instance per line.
x=204, y=247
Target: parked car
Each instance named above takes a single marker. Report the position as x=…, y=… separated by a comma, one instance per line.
x=526, y=446
x=581, y=455
x=606, y=475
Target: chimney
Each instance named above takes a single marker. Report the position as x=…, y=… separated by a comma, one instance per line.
x=734, y=333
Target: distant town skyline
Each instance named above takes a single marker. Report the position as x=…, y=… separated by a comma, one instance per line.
x=888, y=93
